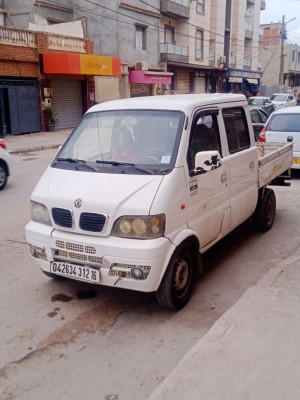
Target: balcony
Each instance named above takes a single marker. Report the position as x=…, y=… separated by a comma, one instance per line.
x=173, y=52
x=250, y=1
x=263, y=5
x=175, y=8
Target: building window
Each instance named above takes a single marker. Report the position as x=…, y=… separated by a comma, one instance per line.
x=293, y=55
x=298, y=58
x=169, y=34
x=199, y=45
x=140, y=37
x=200, y=6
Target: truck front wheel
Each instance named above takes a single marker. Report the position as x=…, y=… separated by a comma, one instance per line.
x=177, y=284
x=265, y=211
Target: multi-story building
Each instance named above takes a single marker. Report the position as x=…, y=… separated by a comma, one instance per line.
x=140, y=47
x=280, y=61
x=211, y=45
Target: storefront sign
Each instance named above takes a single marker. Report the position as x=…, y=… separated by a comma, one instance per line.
x=75, y=63
x=244, y=74
x=235, y=80
x=151, y=77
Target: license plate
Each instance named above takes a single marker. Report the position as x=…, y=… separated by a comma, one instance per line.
x=86, y=274
x=296, y=160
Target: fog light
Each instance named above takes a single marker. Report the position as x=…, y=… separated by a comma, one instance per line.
x=137, y=273
x=38, y=252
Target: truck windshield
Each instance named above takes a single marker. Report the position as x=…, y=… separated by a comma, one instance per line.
x=124, y=139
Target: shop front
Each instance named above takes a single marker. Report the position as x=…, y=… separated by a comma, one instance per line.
x=147, y=83
x=69, y=86
x=241, y=81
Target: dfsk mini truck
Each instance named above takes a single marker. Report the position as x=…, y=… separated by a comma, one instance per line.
x=144, y=186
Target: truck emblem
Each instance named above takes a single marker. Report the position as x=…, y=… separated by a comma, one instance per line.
x=78, y=203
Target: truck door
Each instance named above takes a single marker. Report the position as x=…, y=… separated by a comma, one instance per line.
x=243, y=166
x=208, y=200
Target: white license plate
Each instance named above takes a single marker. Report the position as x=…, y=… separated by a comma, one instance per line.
x=75, y=271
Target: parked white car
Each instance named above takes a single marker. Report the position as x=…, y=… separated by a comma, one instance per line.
x=281, y=100
x=5, y=164
x=284, y=126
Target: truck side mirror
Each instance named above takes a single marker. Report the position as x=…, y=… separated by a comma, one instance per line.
x=206, y=161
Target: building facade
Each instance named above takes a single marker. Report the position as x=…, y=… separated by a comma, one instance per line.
x=280, y=61
x=115, y=49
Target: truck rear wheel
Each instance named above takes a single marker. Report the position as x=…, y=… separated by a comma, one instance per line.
x=177, y=284
x=265, y=211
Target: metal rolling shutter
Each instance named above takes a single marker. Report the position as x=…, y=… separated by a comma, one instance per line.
x=67, y=102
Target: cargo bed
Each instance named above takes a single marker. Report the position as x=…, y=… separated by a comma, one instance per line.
x=274, y=160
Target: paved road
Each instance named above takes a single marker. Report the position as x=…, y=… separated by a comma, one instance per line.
x=63, y=339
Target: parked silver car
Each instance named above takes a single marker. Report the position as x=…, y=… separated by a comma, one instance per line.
x=281, y=100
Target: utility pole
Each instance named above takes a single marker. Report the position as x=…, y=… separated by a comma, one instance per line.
x=282, y=37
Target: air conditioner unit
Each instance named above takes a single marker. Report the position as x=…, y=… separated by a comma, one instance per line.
x=249, y=12
x=141, y=66
x=222, y=60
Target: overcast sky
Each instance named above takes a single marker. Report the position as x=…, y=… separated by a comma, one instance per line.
x=274, y=11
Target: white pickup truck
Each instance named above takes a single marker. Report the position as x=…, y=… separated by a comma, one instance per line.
x=144, y=186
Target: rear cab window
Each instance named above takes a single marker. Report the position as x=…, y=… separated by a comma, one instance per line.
x=236, y=127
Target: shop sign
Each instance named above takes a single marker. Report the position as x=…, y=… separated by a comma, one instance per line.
x=75, y=63
x=150, y=77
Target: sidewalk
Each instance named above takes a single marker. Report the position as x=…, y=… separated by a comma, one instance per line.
x=36, y=141
x=252, y=352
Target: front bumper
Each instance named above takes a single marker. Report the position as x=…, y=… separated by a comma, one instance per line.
x=113, y=256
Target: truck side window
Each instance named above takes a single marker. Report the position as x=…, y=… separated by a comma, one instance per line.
x=205, y=136
x=236, y=127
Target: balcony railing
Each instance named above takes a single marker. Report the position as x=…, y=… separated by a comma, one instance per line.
x=15, y=37
x=175, y=8
x=174, y=52
x=66, y=43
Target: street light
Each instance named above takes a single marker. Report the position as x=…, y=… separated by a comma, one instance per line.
x=283, y=37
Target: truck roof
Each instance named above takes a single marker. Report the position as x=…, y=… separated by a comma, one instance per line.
x=181, y=102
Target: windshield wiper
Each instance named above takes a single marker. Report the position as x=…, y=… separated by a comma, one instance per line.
x=77, y=161
x=126, y=164
x=115, y=163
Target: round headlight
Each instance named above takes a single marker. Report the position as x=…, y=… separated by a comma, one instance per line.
x=125, y=226
x=139, y=226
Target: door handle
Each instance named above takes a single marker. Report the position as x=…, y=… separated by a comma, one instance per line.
x=224, y=177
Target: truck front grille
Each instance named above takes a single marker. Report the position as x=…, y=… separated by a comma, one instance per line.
x=62, y=217
x=92, y=222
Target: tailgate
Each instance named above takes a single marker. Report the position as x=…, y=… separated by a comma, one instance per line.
x=273, y=159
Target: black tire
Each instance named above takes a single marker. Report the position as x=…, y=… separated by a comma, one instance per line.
x=3, y=175
x=265, y=211
x=177, y=284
